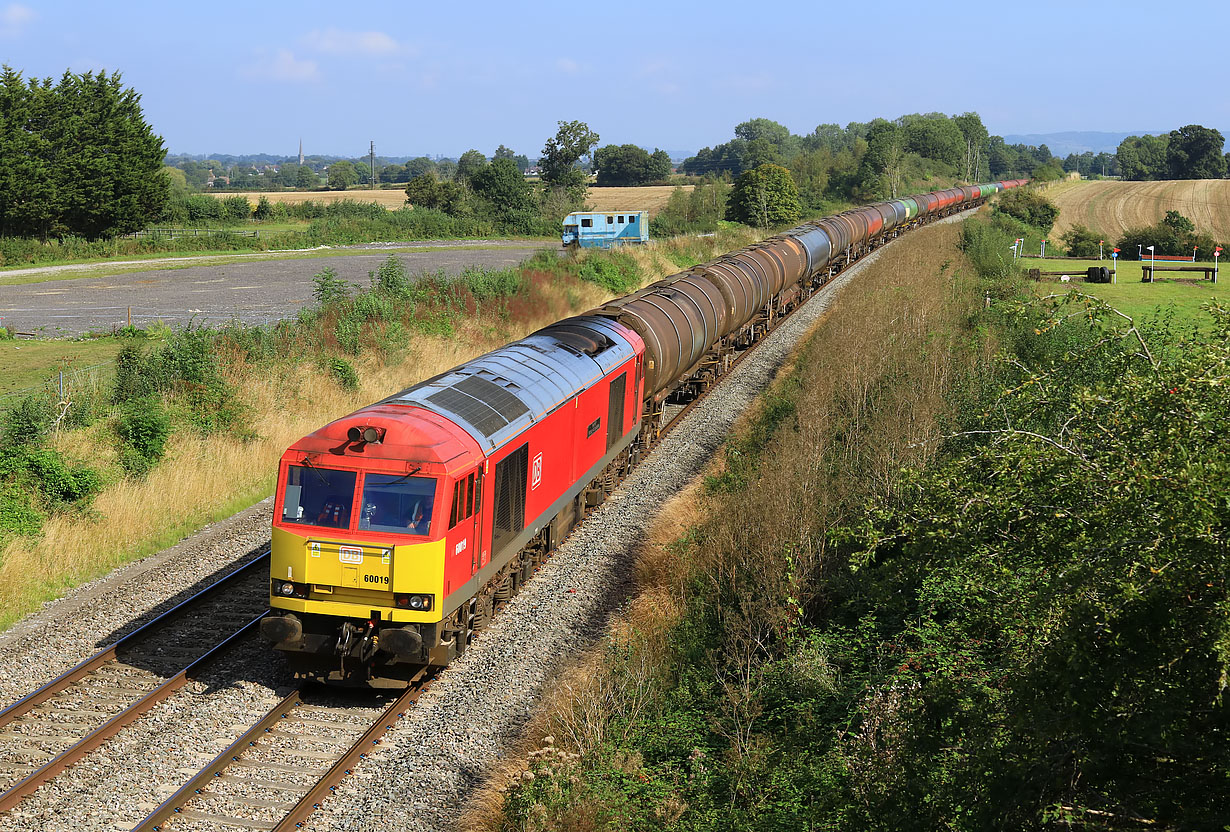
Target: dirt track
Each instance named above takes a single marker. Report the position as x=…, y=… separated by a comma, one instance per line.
x=246, y=290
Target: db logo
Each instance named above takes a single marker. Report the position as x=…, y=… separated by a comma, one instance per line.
x=536, y=476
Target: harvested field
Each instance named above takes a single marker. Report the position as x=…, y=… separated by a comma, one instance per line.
x=651, y=198
x=1113, y=207
x=389, y=199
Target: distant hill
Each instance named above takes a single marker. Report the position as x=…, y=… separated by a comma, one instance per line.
x=1078, y=141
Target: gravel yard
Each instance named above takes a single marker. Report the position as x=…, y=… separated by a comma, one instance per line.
x=254, y=290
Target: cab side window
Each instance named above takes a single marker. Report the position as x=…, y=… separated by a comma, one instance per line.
x=465, y=496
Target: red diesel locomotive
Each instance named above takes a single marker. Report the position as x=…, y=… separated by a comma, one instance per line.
x=398, y=527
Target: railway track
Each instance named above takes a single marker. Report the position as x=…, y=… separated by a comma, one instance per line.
x=57, y=725
x=278, y=771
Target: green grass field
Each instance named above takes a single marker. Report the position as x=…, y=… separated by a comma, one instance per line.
x=1186, y=294
x=30, y=363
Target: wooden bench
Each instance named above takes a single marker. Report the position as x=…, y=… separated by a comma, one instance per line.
x=1074, y=274
x=1210, y=272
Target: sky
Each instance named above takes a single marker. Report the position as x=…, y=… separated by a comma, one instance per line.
x=439, y=78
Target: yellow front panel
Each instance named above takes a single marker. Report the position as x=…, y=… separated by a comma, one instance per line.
x=351, y=579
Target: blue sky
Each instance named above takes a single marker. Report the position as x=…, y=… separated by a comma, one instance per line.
x=439, y=78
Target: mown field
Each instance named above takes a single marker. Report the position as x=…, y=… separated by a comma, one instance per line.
x=387, y=198
x=1183, y=291
x=1112, y=207
x=649, y=198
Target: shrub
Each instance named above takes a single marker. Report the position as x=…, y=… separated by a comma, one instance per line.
x=5, y=334
x=391, y=278
x=236, y=208
x=29, y=421
x=1081, y=241
x=343, y=373
x=60, y=481
x=1030, y=207
x=263, y=210
x=17, y=513
x=987, y=247
x=329, y=288
x=615, y=272
x=143, y=428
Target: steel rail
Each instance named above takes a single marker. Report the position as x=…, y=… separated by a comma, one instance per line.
x=70, y=677
x=310, y=802
x=111, y=727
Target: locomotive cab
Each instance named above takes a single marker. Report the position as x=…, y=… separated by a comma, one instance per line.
x=365, y=510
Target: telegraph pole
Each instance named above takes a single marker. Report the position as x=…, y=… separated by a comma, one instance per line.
x=372, y=164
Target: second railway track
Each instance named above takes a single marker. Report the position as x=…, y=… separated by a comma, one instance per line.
x=57, y=725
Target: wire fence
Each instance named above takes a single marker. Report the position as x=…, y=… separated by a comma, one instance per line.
x=11, y=316
x=67, y=387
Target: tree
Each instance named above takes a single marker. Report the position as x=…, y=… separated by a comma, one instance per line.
x=77, y=157
x=628, y=164
x=342, y=175
x=419, y=166
x=883, y=166
x=305, y=177
x=503, y=152
x=1195, y=152
x=569, y=145
x=729, y=157
x=504, y=188
x=428, y=192
x=765, y=197
x=470, y=163
x=974, y=136
x=936, y=138
x=1081, y=241
x=1143, y=157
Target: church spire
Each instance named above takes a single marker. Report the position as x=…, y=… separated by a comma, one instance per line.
x=301, y=151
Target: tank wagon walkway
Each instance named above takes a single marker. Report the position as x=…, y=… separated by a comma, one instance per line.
x=251, y=291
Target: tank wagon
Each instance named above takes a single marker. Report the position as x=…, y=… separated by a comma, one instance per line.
x=399, y=529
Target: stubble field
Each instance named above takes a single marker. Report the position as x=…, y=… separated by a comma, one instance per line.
x=1112, y=207
x=649, y=198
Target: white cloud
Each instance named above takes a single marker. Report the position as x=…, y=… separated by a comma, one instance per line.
x=283, y=66
x=14, y=18
x=338, y=42
x=568, y=66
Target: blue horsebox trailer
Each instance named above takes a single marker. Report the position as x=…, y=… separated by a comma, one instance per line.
x=605, y=229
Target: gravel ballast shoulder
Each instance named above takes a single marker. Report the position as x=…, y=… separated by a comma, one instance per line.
x=431, y=760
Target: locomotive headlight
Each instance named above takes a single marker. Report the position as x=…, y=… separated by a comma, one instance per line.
x=287, y=589
x=418, y=603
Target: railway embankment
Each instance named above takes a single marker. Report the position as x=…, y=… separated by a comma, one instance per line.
x=963, y=566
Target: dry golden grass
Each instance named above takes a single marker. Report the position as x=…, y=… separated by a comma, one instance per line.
x=203, y=480
x=1113, y=207
x=393, y=198
x=651, y=198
